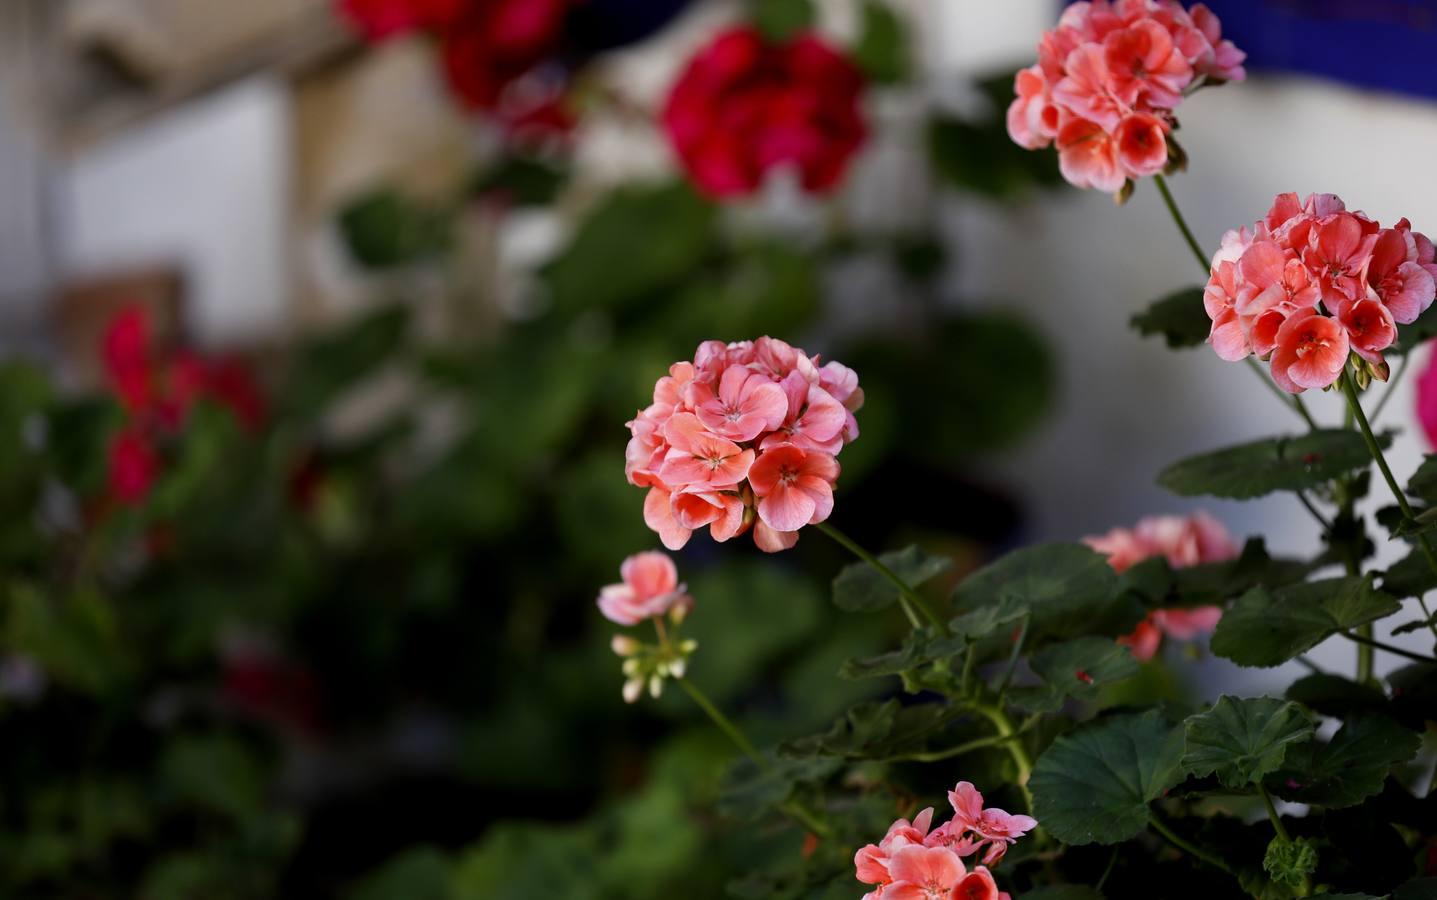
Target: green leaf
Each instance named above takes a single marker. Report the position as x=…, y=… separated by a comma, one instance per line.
x=1423, y=483
x=1332, y=695
x=882, y=49
x=1268, y=628
x=1411, y=576
x=1094, y=784
x=419, y=873
x=1079, y=668
x=1161, y=586
x=874, y=731
x=781, y=20
x=1290, y=862
x=1241, y=740
x=985, y=620
x=383, y=229
x=1349, y=768
x=519, y=861
x=1417, y=889
x=748, y=791
x=521, y=180
x=860, y=588
x=1069, y=589
x=673, y=225
x=1180, y=318
x=1272, y=464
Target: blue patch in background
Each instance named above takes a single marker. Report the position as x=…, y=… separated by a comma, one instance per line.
x=1387, y=44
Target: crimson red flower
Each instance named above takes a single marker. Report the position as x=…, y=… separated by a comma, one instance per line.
x=125, y=353
x=380, y=19
x=133, y=467
x=495, y=43
x=743, y=107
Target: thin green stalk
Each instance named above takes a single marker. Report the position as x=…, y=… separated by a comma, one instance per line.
x=724, y=723
x=1371, y=644
x=958, y=750
x=1391, y=386
x=792, y=807
x=1190, y=849
x=1013, y=659
x=1307, y=502
x=1108, y=870
x=904, y=591
x=1293, y=402
x=1354, y=405
x=1006, y=729
x=1193, y=245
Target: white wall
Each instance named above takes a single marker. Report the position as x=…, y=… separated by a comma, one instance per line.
x=206, y=187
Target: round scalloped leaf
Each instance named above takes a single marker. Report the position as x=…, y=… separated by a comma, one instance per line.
x=1240, y=739
x=1094, y=784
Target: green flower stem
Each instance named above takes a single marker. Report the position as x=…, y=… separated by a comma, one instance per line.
x=792, y=807
x=1189, y=848
x=1354, y=405
x=1007, y=731
x=1371, y=644
x=911, y=599
x=1291, y=401
x=950, y=752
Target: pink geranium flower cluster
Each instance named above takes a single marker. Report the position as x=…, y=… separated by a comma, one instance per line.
x=1183, y=541
x=1108, y=81
x=913, y=862
x=1312, y=282
x=744, y=436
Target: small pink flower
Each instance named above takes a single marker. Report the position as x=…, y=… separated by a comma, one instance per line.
x=1399, y=281
x=1088, y=156
x=1311, y=352
x=1216, y=58
x=1187, y=624
x=1142, y=145
x=1089, y=90
x=924, y=873
x=650, y=588
x=794, y=486
x=745, y=405
x=1143, y=62
x=698, y=458
x=1144, y=640
x=1272, y=276
x=1032, y=116
x=1370, y=328
x=813, y=420
x=1337, y=253
x=993, y=826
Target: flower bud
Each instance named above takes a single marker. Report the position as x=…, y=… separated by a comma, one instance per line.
x=633, y=688
x=1125, y=192
x=688, y=646
x=631, y=668
x=680, y=611
x=1380, y=371
x=678, y=667
x=623, y=645
x=656, y=686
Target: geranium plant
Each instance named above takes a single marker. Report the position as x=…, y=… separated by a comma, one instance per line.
x=1021, y=678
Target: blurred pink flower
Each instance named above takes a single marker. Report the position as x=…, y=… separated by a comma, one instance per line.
x=1183, y=541
x=1427, y=399
x=650, y=588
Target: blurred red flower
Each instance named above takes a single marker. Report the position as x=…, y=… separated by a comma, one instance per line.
x=743, y=107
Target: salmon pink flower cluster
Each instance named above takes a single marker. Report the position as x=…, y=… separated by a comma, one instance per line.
x=1312, y=282
x=915, y=861
x=1108, y=81
x=744, y=106
x=1183, y=541
x=744, y=436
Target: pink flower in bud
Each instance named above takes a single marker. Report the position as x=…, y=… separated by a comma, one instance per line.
x=650, y=588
